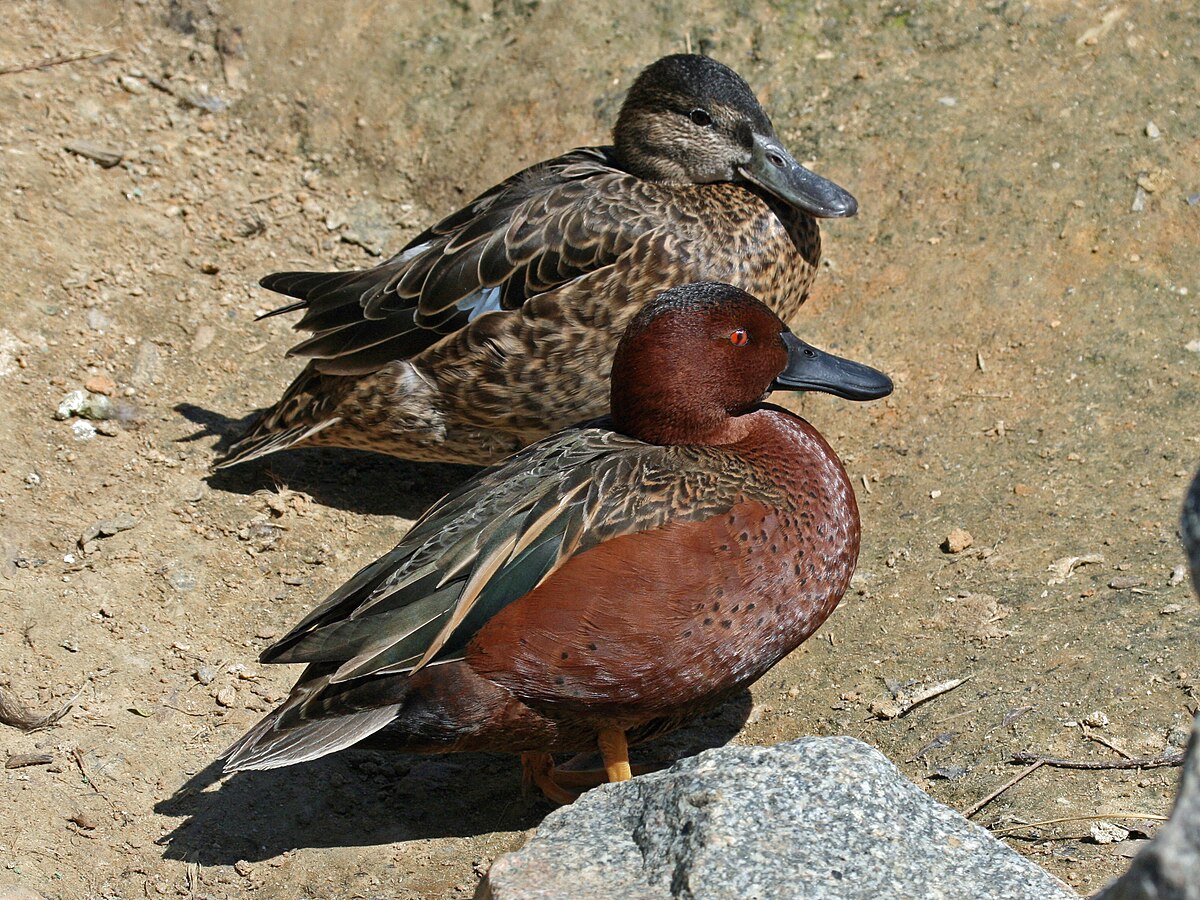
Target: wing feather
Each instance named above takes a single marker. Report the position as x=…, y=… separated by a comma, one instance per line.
x=493, y=540
x=540, y=229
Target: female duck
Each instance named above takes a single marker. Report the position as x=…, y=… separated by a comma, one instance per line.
x=497, y=325
x=606, y=584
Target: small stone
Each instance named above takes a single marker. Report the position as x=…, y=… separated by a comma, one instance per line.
x=203, y=337
x=1125, y=582
x=1192, y=346
x=83, y=430
x=83, y=820
x=100, y=384
x=958, y=540
x=86, y=405
x=1022, y=490
x=1152, y=131
x=267, y=633
x=205, y=674
x=1139, y=199
x=21, y=760
x=131, y=85
x=1096, y=719
x=104, y=156
x=208, y=267
x=1108, y=833
x=1170, y=609
x=1177, y=575
x=1153, y=182
x=227, y=696
x=243, y=868
x=147, y=367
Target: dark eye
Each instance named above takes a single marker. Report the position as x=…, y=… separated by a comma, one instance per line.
x=700, y=117
x=738, y=337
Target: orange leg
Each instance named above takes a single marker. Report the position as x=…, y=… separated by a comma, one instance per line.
x=615, y=750
x=538, y=768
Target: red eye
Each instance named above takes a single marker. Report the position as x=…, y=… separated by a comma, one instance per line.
x=738, y=337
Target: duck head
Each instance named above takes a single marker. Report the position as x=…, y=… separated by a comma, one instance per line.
x=689, y=119
x=699, y=355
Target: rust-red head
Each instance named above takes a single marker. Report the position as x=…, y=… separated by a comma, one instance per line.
x=698, y=354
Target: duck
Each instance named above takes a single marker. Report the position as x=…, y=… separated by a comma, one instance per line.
x=497, y=326
x=606, y=584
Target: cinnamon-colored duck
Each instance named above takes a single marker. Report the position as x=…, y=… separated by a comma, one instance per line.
x=497, y=326
x=606, y=584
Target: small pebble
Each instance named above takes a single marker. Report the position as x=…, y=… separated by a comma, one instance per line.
x=1108, y=833
x=21, y=760
x=243, y=868
x=1177, y=575
x=205, y=674
x=1152, y=131
x=103, y=156
x=83, y=820
x=226, y=696
x=958, y=540
x=100, y=384
x=131, y=85
x=1125, y=582
x=1096, y=719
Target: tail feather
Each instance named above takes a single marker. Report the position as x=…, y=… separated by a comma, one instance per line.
x=264, y=747
x=262, y=441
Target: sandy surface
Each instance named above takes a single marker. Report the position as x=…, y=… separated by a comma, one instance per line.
x=1025, y=266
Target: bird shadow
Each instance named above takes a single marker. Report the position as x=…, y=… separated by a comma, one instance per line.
x=352, y=480
x=369, y=798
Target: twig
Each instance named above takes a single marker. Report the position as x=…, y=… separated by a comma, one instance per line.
x=903, y=702
x=1092, y=736
x=1138, y=762
x=1024, y=773
x=51, y=61
x=14, y=713
x=1117, y=815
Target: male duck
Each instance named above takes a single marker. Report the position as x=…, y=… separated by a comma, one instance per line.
x=497, y=325
x=606, y=584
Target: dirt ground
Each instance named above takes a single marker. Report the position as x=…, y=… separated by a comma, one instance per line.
x=1025, y=266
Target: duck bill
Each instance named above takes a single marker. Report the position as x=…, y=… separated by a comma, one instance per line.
x=810, y=369
x=773, y=169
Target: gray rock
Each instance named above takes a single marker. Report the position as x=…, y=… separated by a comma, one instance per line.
x=1169, y=866
x=812, y=818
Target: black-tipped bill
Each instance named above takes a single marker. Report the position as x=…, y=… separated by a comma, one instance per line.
x=810, y=369
x=771, y=167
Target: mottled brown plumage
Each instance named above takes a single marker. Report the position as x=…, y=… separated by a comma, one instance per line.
x=497, y=326
x=610, y=581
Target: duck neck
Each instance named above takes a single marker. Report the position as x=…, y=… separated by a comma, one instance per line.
x=668, y=423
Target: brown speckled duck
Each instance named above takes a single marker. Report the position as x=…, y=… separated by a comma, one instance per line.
x=497, y=326
x=606, y=584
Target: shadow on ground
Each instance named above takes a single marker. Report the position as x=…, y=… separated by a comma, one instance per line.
x=364, y=798
x=351, y=480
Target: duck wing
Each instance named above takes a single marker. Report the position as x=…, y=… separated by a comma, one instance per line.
x=538, y=230
x=496, y=538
